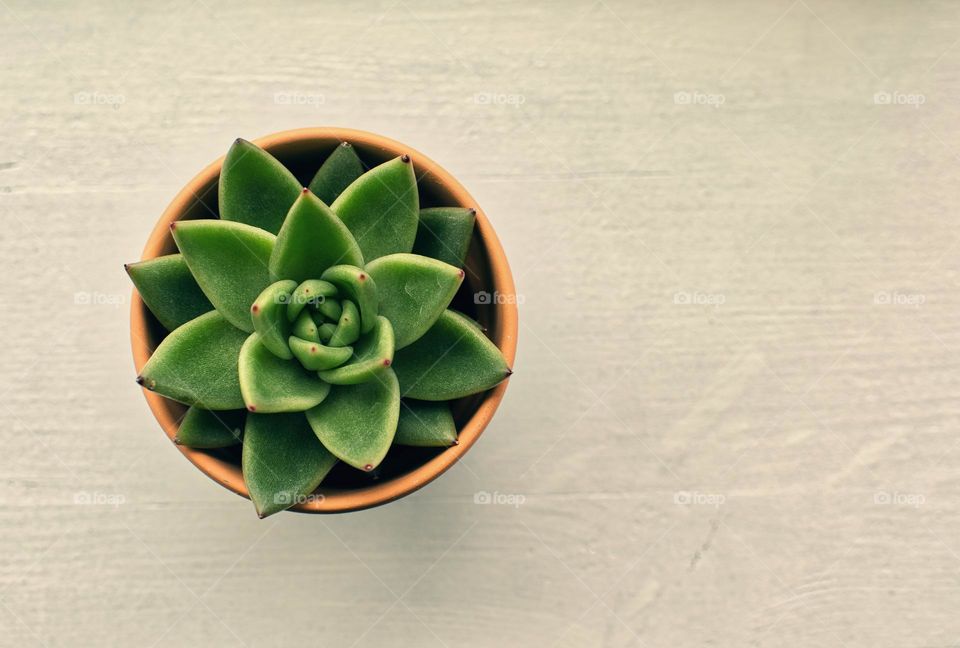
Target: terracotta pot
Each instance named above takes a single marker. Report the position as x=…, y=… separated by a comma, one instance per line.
x=405, y=469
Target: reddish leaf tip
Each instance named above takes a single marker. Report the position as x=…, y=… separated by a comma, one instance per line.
x=362, y=277
x=255, y=308
x=305, y=191
x=139, y=380
x=509, y=371
x=460, y=273
x=473, y=212
x=386, y=362
x=368, y=467
x=405, y=158
x=173, y=225
x=252, y=408
x=313, y=349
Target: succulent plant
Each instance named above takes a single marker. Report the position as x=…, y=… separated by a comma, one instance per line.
x=311, y=324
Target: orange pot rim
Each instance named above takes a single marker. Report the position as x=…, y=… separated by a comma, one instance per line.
x=505, y=337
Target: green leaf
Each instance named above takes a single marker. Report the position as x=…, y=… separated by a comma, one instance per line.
x=326, y=331
x=229, y=261
x=453, y=359
x=357, y=422
x=338, y=171
x=331, y=309
x=255, y=188
x=372, y=356
x=357, y=286
x=444, y=233
x=270, y=384
x=425, y=424
x=316, y=357
x=269, y=315
x=311, y=240
x=283, y=462
x=309, y=292
x=381, y=208
x=201, y=428
x=305, y=328
x=348, y=328
x=413, y=291
x=169, y=290
x=197, y=364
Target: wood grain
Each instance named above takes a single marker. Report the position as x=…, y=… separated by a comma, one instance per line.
x=734, y=418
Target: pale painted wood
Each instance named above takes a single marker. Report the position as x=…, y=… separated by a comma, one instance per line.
x=775, y=463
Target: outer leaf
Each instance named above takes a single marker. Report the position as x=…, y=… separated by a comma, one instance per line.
x=204, y=429
x=413, y=291
x=357, y=422
x=338, y=171
x=348, y=327
x=269, y=316
x=357, y=286
x=311, y=240
x=255, y=188
x=316, y=357
x=453, y=359
x=372, y=356
x=270, y=384
x=425, y=424
x=444, y=233
x=169, y=290
x=229, y=261
x=197, y=364
x=282, y=461
x=380, y=208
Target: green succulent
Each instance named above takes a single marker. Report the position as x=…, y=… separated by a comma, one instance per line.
x=315, y=320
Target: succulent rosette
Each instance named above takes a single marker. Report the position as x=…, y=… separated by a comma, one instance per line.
x=311, y=324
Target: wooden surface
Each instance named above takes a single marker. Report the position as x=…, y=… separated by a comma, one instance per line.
x=734, y=418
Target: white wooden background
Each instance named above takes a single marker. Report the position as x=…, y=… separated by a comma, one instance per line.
x=734, y=419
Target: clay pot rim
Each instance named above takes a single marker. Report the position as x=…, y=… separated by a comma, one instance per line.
x=505, y=337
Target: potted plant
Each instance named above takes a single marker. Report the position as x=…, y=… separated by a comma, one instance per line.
x=323, y=320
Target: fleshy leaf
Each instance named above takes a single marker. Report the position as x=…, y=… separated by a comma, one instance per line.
x=269, y=316
x=283, y=462
x=373, y=355
x=229, y=261
x=381, y=208
x=357, y=422
x=169, y=290
x=309, y=292
x=453, y=359
x=317, y=357
x=338, y=171
x=425, y=424
x=311, y=240
x=201, y=428
x=357, y=286
x=197, y=364
x=444, y=233
x=270, y=384
x=326, y=331
x=331, y=309
x=413, y=290
x=305, y=328
x=255, y=188
x=348, y=327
